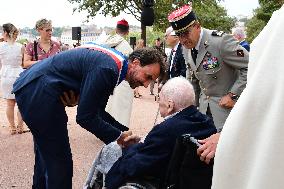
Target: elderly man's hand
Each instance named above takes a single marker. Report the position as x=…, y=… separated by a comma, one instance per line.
x=69, y=99
x=208, y=148
x=126, y=139
x=130, y=140
x=227, y=102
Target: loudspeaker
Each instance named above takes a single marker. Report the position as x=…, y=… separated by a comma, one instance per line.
x=132, y=40
x=76, y=33
x=147, y=16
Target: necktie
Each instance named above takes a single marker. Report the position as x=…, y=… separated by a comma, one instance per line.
x=194, y=53
x=171, y=58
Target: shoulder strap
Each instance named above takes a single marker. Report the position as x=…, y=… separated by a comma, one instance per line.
x=35, y=50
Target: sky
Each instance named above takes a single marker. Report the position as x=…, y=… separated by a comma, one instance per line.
x=26, y=13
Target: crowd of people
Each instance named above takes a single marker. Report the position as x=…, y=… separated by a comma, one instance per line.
x=212, y=85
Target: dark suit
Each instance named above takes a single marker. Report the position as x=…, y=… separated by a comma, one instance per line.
x=88, y=72
x=245, y=44
x=151, y=158
x=178, y=67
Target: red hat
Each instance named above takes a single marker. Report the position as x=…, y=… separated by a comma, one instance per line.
x=123, y=22
x=123, y=25
x=182, y=18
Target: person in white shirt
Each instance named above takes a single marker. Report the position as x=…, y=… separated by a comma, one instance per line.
x=11, y=56
x=250, y=150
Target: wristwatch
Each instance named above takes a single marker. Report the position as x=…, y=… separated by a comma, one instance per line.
x=234, y=97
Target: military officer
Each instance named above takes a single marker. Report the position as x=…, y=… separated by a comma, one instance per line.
x=217, y=61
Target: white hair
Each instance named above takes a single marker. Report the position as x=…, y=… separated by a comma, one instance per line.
x=240, y=33
x=170, y=31
x=180, y=91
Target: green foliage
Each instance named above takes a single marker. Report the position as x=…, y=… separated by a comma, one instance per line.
x=261, y=17
x=210, y=13
x=151, y=36
x=22, y=41
x=253, y=28
x=109, y=7
x=213, y=16
x=57, y=31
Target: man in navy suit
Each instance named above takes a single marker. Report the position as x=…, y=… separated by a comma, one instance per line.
x=151, y=157
x=177, y=66
x=91, y=72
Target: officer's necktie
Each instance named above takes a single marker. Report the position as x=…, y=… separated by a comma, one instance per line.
x=194, y=53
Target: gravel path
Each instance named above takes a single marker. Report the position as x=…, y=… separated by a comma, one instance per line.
x=16, y=152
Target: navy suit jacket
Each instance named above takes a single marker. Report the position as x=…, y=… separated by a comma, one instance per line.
x=246, y=45
x=179, y=66
x=151, y=158
x=90, y=73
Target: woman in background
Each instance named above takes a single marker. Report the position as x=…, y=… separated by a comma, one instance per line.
x=11, y=56
x=42, y=48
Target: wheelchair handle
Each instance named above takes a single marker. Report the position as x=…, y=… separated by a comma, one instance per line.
x=188, y=138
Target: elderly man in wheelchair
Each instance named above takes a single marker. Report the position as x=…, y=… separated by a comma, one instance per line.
x=146, y=164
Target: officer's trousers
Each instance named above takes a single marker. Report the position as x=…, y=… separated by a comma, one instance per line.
x=45, y=116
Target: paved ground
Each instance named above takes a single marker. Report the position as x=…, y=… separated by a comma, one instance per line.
x=16, y=152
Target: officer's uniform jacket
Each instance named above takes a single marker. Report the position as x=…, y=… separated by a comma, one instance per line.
x=221, y=67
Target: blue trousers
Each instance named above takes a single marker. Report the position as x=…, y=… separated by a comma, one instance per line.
x=45, y=116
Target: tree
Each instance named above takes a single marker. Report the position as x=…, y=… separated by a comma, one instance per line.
x=22, y=41
x=211, y=14
x=261, y=17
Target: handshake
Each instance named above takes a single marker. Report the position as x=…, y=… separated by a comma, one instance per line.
x=127, y=138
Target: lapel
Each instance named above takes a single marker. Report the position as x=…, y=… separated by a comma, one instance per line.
x=202, y=48
x=177, y=54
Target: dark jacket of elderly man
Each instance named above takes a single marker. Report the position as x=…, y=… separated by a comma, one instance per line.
x=151, y=158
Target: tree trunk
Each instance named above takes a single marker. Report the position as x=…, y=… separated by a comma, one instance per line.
x=143, y=34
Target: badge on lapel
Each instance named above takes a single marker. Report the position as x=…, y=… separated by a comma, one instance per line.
x=210, y=62
x=240, y=53
x=206, y=44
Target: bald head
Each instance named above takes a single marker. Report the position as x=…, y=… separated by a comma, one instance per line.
x=180, y=92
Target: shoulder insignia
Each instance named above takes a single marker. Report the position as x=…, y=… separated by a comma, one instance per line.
x=217, y=33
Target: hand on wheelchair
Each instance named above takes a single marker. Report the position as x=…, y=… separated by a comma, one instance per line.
x=208, y=147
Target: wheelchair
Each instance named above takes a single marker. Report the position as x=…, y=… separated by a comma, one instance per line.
x=185, y=171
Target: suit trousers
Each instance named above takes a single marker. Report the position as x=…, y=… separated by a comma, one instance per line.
x=45, y=116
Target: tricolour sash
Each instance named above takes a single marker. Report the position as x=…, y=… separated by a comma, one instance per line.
x=120, y=60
